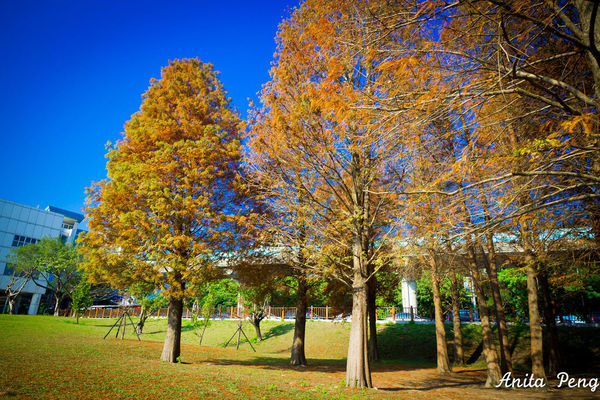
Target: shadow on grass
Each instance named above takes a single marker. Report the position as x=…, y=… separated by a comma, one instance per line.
x=107, y=325
x=153, y=333
x=278, y=330
x=411, y=342
x=187, y=328
x=314, y=365
x=476, y=353
x=579, y=348
x=279, y=363
x=416, y=343
x=517, y=332
x=438, y=382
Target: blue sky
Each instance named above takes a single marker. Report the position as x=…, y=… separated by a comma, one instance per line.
x=73, y=72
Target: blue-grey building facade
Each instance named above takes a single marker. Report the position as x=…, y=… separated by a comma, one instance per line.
x=21, y=224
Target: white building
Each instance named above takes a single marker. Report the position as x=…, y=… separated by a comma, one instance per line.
x=409, y=294
x=21, y=224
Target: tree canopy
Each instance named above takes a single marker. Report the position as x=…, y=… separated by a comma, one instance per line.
x=174, y=199
x=50, y=264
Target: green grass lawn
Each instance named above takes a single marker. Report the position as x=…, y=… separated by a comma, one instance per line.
x=48, y=357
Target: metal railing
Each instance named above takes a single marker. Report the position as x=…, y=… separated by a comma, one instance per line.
x=313, y=313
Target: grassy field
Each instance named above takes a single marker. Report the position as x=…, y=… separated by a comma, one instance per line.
x=48, y=357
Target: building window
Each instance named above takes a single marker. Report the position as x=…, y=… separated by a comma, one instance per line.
x=22, y=240
x=67, y=226
x=9, y=270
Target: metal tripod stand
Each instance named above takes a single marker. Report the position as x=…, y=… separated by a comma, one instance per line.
x=239, y=333
x=123, y=322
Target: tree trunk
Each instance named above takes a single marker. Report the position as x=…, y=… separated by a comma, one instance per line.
x=492, y=270
x=206, y=321
x=443, y=362
x=172, y=345
x=139, y=327
x=535, y=323
x=459, y=356
x=372, y=311
x=489, y=348
x=358, y=370
x=587, y=20
x=298, y=357
x=11, y=304
x=550, y=321
x=56, y=305
x=256, y=324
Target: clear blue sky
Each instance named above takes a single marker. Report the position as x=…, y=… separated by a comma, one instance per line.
x=73, y=72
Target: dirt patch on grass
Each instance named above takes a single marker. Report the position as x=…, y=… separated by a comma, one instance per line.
x=463, y=384
x=407, y=381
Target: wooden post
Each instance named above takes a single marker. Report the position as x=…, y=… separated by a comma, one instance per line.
x=326, y=312
x=269, y=312
x=412, y=313
x=231, y=313
x=471, y=314
x=219, y=311
x=311, y=313
x=393, y=313
x=282, y=313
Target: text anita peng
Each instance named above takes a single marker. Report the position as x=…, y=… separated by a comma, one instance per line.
x=563, y=381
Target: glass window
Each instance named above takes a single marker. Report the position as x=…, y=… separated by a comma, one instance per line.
x=22, y=240
x=9, y=270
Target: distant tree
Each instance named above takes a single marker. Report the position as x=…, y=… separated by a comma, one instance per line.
x=13, y=289
x=223, y=292
x=82, y=299
x=53, y=264
x=258, y=305
x=201, y=315
x=173, y=200
x=150, y=301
